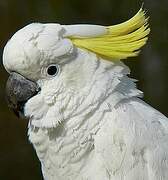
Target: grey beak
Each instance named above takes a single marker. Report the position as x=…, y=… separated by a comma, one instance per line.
x=18, y=91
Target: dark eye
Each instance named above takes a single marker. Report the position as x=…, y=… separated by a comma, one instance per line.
x=52, y=70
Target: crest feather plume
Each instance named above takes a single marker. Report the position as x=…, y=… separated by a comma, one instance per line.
x=121, y=41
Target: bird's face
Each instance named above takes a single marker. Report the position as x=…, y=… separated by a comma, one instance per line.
x=47, y=74
x=52, y=78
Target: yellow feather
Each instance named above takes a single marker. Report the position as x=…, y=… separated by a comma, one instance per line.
x=121, y=41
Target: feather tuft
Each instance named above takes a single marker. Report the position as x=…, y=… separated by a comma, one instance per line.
x=121, y=41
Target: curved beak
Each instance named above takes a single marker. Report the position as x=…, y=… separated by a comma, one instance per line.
x=18, y=91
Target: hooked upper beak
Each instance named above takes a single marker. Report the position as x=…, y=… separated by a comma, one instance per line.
x=18, y=91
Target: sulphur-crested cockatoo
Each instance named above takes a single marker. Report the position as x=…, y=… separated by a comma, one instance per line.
x=86, y=118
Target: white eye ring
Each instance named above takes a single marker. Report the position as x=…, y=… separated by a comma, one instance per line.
x=52, y=70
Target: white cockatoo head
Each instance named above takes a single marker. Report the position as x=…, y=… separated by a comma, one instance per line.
x=60, y=71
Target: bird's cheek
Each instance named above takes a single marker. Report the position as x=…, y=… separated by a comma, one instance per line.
x=18, y=91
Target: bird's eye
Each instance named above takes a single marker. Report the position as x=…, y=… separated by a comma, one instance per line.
x=53, y=70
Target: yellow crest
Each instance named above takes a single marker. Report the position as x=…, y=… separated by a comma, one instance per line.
x=121, y=41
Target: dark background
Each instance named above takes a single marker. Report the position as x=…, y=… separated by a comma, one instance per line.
x=17, y=157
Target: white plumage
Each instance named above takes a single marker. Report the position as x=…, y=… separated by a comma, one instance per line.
x=87, y=122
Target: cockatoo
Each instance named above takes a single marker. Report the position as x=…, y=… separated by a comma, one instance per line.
x=86, y=117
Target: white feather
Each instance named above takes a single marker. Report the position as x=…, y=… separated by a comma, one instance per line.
x=84, y=30
x=133, y=142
